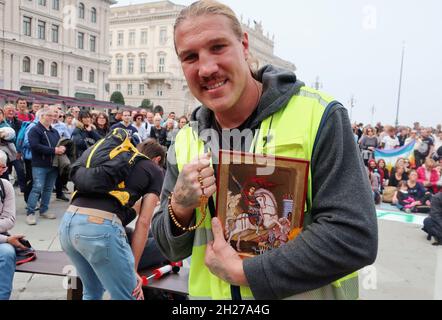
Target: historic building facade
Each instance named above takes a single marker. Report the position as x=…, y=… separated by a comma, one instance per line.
x=55, y=46
x=144, y=62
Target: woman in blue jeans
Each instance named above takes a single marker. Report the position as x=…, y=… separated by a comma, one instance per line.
x=93, y=236
x=7, y=243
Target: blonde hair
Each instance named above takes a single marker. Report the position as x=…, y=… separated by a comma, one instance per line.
x=210, y=7
x=213, y=7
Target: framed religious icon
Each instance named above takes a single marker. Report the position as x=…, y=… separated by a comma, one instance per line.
x=260, y=200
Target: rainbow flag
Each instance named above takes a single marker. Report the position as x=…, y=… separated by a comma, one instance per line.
x=391, y=156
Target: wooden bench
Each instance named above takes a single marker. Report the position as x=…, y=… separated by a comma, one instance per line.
x=56, y=263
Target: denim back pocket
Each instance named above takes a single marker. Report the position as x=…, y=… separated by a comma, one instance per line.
x=95, y=249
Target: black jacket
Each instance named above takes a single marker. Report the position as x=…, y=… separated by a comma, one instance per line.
x=14, y=124
x=84, y=139
x=43, y=143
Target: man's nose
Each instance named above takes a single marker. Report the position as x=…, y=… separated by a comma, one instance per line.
x=208, y=66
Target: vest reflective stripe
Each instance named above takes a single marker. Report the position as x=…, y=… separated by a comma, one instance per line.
x=290, y=132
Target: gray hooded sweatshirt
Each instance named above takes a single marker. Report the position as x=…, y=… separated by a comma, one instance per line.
x=343, y=235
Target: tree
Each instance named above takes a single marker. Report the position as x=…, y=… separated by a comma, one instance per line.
x=146, y=104
x=117, y=97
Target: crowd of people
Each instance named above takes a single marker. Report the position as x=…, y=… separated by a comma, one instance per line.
x=41, y=141
x=411, y=184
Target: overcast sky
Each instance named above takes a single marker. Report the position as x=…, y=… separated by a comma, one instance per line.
x=355, y=48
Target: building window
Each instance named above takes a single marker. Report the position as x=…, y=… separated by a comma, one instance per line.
x=120, y=39
x=131, y=38
x=159, y=90
x=80, y=74
x=129, y=89
x=93, y=42
x=56, y=5
x=55, y=29
x=141, y=90
x=130, y=65
x=118, y=87
x=41, y=67
x=110, y=39
x=80, y=40
x=27, y=30
x=143, y=65
x=143, y=37
x=42, y=2
x=94, y=15
x=26, y=64
x=163, y=36
x=81, y=10
x=41, y=30
x=92, y=76
x=54, y=69
x=161, y=64
x=119, y=66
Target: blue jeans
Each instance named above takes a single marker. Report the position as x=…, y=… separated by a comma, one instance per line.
x=102, y=256
x=44, y=181
x=7, y=270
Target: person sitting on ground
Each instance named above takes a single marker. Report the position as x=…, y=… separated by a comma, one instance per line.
x=433, y=224
x=85, y=135
x=417, y=190
x=405, y=201
x=383, y=172
x=399, y=175
x=429, y=176
x=407, y=166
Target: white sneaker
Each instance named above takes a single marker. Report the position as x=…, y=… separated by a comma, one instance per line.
x=48, y=215
x=31, y=220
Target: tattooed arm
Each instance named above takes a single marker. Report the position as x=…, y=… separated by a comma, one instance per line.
x=172, y=241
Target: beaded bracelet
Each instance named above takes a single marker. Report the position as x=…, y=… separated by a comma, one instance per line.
x=203, y=204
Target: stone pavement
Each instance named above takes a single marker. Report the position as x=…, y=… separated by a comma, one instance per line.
x=406, y=267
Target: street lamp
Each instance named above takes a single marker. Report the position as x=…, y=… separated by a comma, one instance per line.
x=400, y=85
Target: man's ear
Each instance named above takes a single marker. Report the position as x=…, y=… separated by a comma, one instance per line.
x=245, y=44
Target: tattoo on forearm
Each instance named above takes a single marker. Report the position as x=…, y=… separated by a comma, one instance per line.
x=184, y=197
